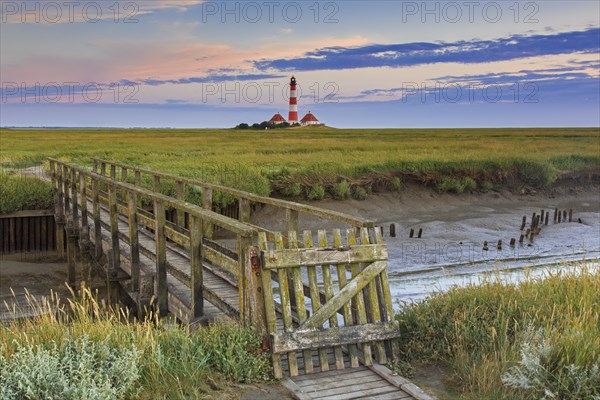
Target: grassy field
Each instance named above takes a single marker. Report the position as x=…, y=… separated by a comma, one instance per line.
x=339, y=162
x=539, y=339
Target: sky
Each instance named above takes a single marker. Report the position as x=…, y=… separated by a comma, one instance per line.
x=359, y=64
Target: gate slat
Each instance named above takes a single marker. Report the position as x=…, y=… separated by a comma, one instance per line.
x=342, y=280
x=315, y=297
x=358, y=302
x=374, y=315
x=328, y=284
x=300, y=304
x=284, y=293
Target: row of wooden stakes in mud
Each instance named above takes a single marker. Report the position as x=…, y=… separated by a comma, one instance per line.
x=537, y=220
x=410, y=235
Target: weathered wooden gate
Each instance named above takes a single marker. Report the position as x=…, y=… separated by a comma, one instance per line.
x=333, y=298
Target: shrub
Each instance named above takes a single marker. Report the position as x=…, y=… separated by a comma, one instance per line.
x=538, y=375
x=315, y=192
x=536, y=174
x=24, y=193
x=395, y=184
x=450, y=184
x=359, y=193
x=468, y=184
x=341, y=190
x=77, y=369
x=293, y=190
x=486, y=186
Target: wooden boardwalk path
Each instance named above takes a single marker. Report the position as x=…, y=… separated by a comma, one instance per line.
x=320, y=300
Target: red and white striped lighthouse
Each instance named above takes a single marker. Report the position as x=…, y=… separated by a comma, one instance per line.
x=293, y=117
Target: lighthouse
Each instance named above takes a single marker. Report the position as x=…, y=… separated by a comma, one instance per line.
x=293, y=117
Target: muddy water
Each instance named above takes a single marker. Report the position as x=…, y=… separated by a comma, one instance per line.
x=455, y=227
x=451, y=250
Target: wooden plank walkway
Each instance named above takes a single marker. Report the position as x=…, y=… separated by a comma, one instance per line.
x=327, y=380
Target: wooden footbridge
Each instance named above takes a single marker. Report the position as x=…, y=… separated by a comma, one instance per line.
x=320, y=300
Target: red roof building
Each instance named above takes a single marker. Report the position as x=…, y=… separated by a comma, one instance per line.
x=309, y=119
x=277, y=119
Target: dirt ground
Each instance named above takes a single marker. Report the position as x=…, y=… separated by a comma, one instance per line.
x=24, y=277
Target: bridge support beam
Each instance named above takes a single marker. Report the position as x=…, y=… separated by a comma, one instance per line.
x=72, y=250
x=60, y=239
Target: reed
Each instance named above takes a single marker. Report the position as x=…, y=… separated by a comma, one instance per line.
x=171, y=362
x=513, y=341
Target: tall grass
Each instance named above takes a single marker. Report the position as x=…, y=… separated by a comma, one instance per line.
x=172, y=362
x=24, y=193
x=538, y=338
x=292, y=162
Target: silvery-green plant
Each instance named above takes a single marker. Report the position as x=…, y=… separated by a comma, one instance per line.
x=75, y=369
x=536, y=375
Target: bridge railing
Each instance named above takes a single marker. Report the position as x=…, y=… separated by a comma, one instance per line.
x=293, y=210
x=76, y=189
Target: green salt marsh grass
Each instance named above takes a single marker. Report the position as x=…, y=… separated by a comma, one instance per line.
x=538, y=339
x=24, y=193
x=290, y=162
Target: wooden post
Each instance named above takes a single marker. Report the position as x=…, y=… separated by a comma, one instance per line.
x=103, y=168
x=565, y=215
x=559, y=217
x=513, y=240
x=96, y=215
x=133, y=240
x=291, y=219
x=523, y=223
x=114, y=230
x=521, y=238
x=65, y=177
x=180, y=194
x=412, y=233
x=113, y=172
x=244, y=208
x=243, y=243
x=500, y=245
x=485, y=246
x=58, y=210
x=420, y=235
x=546, y=222
x=138, y=178
x=570, y=215
x=75, y=206
x=160, y=282
x=123, y=174
x=71, y=260
x=196, y=267
x=392, y=230
x=258, y=317
x=207, y=204
x=156, y=184
x=271, y=316
x=555, y=215
x=95, y=166
x=84, y=213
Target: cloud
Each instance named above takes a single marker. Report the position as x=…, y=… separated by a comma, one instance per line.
x=418, y=53
x=210, y=79
x=513, y=87
x=38, y=12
